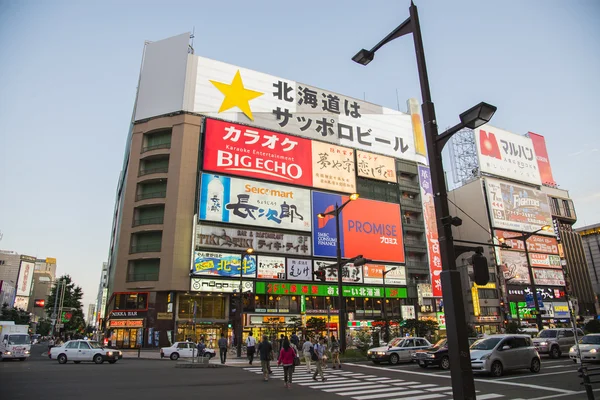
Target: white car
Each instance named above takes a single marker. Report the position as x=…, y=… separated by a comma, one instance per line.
x=589, y=346
x=399, y=349
x=84, y=350
x=184, y=350
x=495, y=354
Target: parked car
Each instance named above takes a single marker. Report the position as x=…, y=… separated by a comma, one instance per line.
x=185, y=350
x=498, y=353
x=84, y=350
x=399, y=349
x=555, y=342
x=437, y=355
x=589, y=347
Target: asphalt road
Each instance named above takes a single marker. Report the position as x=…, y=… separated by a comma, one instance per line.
x=39, y=377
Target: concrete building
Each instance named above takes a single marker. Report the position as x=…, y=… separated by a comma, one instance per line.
x=102, y=296
x=590, y=236
x=91, y=314
x=9, y=266
x=42, y=287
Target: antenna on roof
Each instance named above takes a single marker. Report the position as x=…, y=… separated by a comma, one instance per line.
x=397, y=99
x=192, y=36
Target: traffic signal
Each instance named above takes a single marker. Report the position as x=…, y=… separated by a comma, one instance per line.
x=480, y=269
x=320, y=274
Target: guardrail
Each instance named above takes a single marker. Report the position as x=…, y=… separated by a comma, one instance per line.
x=585, y=373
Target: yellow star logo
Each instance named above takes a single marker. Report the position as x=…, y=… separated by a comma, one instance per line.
x=236, y=95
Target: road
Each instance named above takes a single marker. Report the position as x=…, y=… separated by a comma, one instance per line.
x=40, y=377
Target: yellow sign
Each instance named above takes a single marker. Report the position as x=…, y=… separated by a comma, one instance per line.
x=489, y=285
x=50, y=260
x=561, y=308
x=561, y=252
x=333, y=167
x=164, y=315
x=475, y=295
x=236, y=95
x=375, y=166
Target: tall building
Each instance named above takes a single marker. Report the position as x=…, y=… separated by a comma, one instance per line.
x=590, y=236
x=91, y=314
x=220, y=158
x=44, y=275
x=102, y=296
x=10, y=262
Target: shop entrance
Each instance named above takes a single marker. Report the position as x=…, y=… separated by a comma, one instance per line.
x=211, y=333
x=126, y=338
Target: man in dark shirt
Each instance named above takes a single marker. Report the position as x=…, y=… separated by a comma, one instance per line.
x=223, y=348
x=265, y=351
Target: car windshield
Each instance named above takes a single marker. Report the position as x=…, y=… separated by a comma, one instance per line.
x=95, y=345
x=486, y=344
x=396, y=342
x=19, y=339
x=547, y=333
x=441, y=343
x=590, y=340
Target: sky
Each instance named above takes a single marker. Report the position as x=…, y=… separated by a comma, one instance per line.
x=69, y=70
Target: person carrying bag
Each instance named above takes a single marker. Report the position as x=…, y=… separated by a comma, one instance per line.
x=286, y=357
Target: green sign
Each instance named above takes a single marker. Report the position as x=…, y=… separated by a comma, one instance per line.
x=302, y=304
x=310, y=289
x=524, y=311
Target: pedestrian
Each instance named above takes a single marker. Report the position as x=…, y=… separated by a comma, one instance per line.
x=250, y=347
x=201, y=346
x=265, y=352
x=286, y=357
x=280, y=343
x=294, y=339
x=223, y=348
x=307, y=353
x=50, y=344
x=335, y=352
x=319, y=350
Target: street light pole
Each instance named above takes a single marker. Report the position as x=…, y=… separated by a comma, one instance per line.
x=536, y=305
x=240, y=307
x=386, y=326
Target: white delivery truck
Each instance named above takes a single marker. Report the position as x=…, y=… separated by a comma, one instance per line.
x=14, y=341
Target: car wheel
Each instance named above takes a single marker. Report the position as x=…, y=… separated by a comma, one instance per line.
x=205, y=355
x=112, y=361
x=98, y=359
x=62, y=359
x=445, y=363
x=554, y=352
x=535, y=365
x=575, y=360
x=497, y=369
x=394, y=359
x=424, y=366
x=174, y=356
x=77, y=362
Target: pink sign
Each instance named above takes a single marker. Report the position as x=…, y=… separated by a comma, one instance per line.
x=433, y=245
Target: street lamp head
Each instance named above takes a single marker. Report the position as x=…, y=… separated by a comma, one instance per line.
x=249, y=250
x=546, y=228
x=478, y=115
x=320, y=215
x=354, y=196
x=363, y=57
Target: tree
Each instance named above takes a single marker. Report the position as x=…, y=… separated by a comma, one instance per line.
x=20, y=316
x=72, y=316
x=420, y=328
x=513, y=327
x=44, y=326
x=295, y=323
x=315, y=326
x=592, y=326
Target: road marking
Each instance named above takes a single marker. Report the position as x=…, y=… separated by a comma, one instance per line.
x=406, y=394
x=439, y=389
x=381, y=395
x=423, y=397
x=406, y=383
x=317, y=383
x=489, y=396
x=528, y=376
x=556, y=396
x=350, y=392
x=351, y=386
x=378, y=379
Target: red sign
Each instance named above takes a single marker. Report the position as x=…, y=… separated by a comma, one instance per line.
x=535, y=244
x=256, y=153
x=40, y=303
x=126, y=323
x=539, y=145
x=431, y=233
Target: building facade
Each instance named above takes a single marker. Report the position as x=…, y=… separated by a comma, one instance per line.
x=590, y=236
x=10, y=262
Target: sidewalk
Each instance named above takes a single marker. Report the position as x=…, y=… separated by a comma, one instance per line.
x=153, y=354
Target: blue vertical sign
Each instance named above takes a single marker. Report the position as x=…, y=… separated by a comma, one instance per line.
x=324, y=239
x=215, y=191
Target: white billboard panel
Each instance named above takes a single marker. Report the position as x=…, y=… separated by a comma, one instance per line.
x=25, y=278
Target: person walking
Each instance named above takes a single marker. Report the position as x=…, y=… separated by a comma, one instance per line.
x=294, y=339
x=222, y=343
x=319, y=350
x=201, y=347
x=335, y=353
x=265, y=351
x=306, y=352
x=286, y=357
x=250, y=347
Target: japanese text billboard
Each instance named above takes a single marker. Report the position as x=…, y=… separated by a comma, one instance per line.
x=513, y=265
x=328, y=290
x=333, y=167
x=25, y=278
x=246, y=202
x=543, y=161
x=369, y=165
x=518, y=207
x=396, y=275
x=270, y=267
x=551, y=277
x=225, y=238
x=223, y=264
x=368, y=227
x=431, y=233
x=350, y=272
x=299, y=269
x=506, y=154
x=241, y=95
x=240, y=150
x=220, y=285
x=535, y=244
x=545, y=260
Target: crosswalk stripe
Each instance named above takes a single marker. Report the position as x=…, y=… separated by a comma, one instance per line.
x=351, y=386
x=408, y=393
x=362, y=391
x=378, y=379
x=421, y=397
x=320, y=383
x=489, y=396
x=380, y=395
x=439, y=389
x=424, y=386
x=406, y=383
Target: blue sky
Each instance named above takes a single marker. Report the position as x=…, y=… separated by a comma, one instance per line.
x=69, y=72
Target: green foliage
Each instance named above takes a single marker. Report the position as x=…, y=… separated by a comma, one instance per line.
x=44, y=326
x=513, y=327
x=353, y=355
x=420, y=328
x=71, y=303
x=592, y=326
x=315, y=327
x=363, y=340
x=471, y=332
x=295, y=323
x=20, y=316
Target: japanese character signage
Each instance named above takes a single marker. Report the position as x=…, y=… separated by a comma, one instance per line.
x=561, y=310
x=396, y=274
x=518, y=207
x=299, y=269
x=374, y=166
x=220, y=285
x=241, y=150
x=271, y=267
x=545, y=260
x=368, y=227
x=535, y=244
x=333, y=167
x=517, y=293
x=507, y=155
x=513, y=265
x=246, y=202
x=431, y=233
x=25, y=278
x=289, y=288
x=241, y=95
x=350, y=273
x=552, y=277
x=223, y=264
x=543, y=161
x=408, y=312
x=241, y=239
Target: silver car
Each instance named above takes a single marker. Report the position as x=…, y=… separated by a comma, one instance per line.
x=398, y=350
x=589, y=347
x=555, y=342
x=498, y=353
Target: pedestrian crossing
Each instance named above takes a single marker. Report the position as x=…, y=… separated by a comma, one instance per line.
x=359, y=386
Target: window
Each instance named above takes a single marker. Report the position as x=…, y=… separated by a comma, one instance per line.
x=146, y=242
x=569, y=334
x=72, y=345
x=154, y=165
x=152, y=190
x=377, y=190
x=84, y=346
x=490, y=311
x=554, y=205
x=157, y=140
x=143, y=270
x=520, y=342
x=567, y=208
x=409, y=343
x=149, y=215
x=182, y=345
x=488, y=294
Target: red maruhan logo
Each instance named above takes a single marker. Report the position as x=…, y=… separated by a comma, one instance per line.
x=325, y=220
x=488, y=145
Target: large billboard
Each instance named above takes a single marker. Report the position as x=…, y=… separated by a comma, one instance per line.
x=246, y=202
x=550, y=277
x=541, y=152
x=270, y=267
x=367, y=227
x=25, y=278
x=535, y=244
x=299, y=269
x=333, y=167
x=395, y=275
x=350, y=272
x=517, y=207
x=431, y=232
x=374, y=166
x=241, y=95
x=507, y=155
x=513, y=265
x=219, y=237
x=223, y=264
